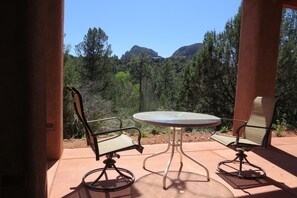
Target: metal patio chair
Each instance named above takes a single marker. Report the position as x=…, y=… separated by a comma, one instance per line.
x=106, y=143
x=256, y=133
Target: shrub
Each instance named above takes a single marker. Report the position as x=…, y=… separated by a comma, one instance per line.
x=281, y=126
x=224, y=129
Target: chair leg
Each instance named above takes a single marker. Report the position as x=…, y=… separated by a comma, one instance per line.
x=99, y=177
x=122, y=174
x=124, y=179
x=241, y=158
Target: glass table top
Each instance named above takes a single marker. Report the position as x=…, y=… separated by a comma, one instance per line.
x=177, y=119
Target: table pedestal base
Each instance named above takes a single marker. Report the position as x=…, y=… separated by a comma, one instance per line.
x=175, y=142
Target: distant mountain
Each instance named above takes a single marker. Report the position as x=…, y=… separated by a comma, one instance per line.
x=137, y=50
x=187, y=51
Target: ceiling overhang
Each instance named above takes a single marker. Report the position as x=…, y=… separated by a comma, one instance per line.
x=290, y=4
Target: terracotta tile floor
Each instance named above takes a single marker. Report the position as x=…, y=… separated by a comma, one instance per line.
x=279, y=161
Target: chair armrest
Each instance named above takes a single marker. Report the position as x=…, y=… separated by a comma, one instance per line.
x=107, y=119
x=231, y=119
x=237, y=133
x=127, y=129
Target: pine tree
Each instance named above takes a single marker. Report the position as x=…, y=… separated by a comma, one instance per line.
x=95, y=52
x=287, y=68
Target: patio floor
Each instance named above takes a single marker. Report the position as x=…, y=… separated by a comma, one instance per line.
x=279, y=161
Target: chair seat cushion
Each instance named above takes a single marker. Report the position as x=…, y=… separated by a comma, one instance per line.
x=228, y=140
x=114, y=144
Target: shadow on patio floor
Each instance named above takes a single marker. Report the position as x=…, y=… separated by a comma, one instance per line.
x=150, y=185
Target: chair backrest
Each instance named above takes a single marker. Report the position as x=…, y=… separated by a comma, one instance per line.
x=78, y=106
x=262, y=115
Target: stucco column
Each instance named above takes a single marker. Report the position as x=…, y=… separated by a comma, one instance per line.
x=54, y=79
x=258, y=52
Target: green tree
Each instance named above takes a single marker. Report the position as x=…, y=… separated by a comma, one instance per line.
x=168, y=79
x=123, y=94
x=187, y=100
x=140, y=69
x=209, y=81
x=95, y=52
x=286, y=84
x=229, y=43
x=71, y=78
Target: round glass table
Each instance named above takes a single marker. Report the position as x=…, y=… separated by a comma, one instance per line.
x=176, y=120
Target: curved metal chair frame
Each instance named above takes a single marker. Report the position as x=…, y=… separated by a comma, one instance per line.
x=256, y=133
x=107, y=143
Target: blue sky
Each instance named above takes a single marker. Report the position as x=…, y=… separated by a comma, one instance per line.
x=162, y=25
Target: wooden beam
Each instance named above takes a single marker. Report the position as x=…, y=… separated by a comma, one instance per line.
x=290, y=4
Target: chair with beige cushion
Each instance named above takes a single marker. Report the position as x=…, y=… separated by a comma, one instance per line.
x=255, y=133
x=107, y=143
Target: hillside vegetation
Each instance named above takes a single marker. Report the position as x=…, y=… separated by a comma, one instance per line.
x=198, y=78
